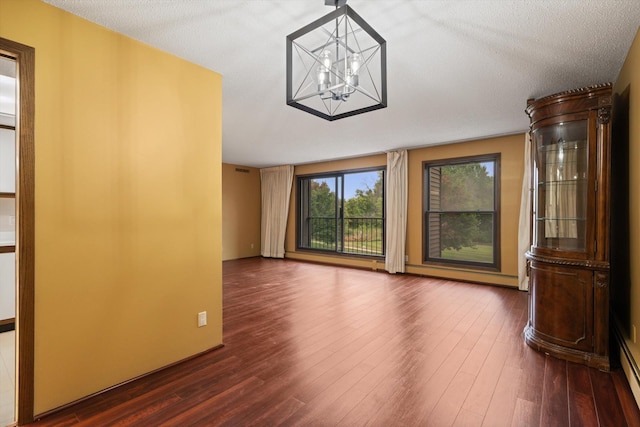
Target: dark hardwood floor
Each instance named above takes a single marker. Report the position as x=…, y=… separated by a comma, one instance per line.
x=309, y=344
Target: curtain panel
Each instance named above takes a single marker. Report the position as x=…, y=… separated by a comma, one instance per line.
x=276, y=185
x=524, y=225
x=396, y=211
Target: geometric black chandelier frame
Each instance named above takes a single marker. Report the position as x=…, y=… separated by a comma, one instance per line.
x=336, y=66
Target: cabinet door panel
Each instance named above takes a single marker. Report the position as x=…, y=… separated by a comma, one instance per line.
x=564, y=300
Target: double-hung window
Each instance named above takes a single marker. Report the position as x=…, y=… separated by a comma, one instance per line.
x=461, y=206
x=342, y=212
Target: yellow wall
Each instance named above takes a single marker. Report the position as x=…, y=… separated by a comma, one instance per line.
x=240, y=212
x=128, y=204
x=630, y=78
x=511, y=149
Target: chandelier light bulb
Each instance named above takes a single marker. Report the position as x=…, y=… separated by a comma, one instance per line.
x=355, y=61
x=325, y=59
x=324, y=71
x=324, y=79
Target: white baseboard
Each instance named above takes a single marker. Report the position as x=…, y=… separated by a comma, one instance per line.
x=629, y=364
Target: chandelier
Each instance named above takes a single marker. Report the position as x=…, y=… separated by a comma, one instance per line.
x=336, y=65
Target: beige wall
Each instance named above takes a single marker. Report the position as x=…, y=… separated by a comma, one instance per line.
x=630, y=78
x=240, y=212
x=128, y=204
x=511, y=149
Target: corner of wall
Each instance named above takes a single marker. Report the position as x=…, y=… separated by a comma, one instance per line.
x=628, y=362
x=241, y=212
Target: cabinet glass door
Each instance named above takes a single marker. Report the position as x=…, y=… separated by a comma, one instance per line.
x=561, y=160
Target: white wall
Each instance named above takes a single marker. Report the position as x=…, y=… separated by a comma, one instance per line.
x=7, y=286
x=7, y=161
x=7, y=222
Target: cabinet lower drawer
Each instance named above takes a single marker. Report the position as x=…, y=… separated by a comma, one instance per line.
x=561, y=305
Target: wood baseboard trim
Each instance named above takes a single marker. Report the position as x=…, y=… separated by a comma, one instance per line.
x=7, y=321
x=129, y=381
x=7, y=325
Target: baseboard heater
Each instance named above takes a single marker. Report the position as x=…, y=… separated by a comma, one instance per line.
x=625, y=352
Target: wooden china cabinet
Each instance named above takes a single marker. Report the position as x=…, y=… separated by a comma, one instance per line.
x=568, y=262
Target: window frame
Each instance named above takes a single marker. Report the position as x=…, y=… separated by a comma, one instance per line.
x=340, y=209
x=481, y=158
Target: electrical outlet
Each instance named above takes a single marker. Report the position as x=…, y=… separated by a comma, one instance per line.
x=252, y=246
x=202, y=319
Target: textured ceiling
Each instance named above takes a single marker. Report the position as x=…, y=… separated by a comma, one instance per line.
x=457, y=70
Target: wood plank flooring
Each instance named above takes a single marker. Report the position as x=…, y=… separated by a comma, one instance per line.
x=309, y=344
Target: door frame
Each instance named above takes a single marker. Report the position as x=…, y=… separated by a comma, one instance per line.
x=25, y=242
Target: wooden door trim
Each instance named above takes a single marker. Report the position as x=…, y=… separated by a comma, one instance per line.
x=25, y=244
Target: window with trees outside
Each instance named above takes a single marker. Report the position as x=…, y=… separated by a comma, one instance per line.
x=342, y=212
x=461, y=205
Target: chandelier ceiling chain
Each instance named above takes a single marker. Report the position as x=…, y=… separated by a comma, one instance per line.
x=339, y=66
